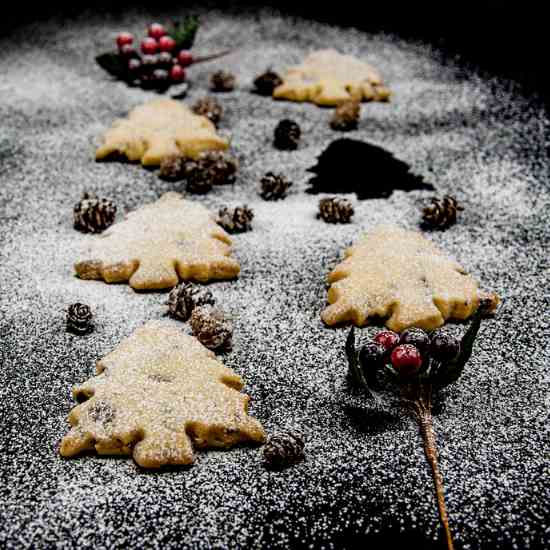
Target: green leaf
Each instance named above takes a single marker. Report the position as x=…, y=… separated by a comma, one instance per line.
x=113, y=64
x=184, y=32
x=353, y=361
x=451, y=372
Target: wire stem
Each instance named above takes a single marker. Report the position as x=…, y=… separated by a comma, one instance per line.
x=210, y=57
x=422, y=409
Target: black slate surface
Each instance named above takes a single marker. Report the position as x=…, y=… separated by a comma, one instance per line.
x=364, y=479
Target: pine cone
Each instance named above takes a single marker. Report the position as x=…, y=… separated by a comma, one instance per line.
x=211, y=329
x=346, y=116
x=235, y=220
x=283, y=449
x=287, y=135
x=335, y=210
x=222, y=81
x=185, y=297
x=171, y=168
x=441, y=213
x=210, y=168
x=267, y=82
x=488, y=303
x=274, y=186
x=79, y=319
x=93, y=215
x=210, y=108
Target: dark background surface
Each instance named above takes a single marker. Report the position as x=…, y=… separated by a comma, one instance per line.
x=485, y=37
x=508, y=41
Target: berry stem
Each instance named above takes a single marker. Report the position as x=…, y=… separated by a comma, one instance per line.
x=422, y=411
x=210, y=57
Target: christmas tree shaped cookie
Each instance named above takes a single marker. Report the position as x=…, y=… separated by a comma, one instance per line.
x=327, y=77
x=156, y=396
x=158, y=244
x=399, y=276
x=160, y=129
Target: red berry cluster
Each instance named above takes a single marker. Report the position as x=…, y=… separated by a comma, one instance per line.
x=158, y=61
x=410, y=351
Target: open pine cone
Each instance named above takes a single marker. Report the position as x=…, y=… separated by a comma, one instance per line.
x=335, y=210
x=441, y=213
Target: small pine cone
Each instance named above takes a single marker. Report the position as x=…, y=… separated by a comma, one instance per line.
x=267, y=82
x=210, y=168
x=211, y=329
x=210, y=108
x=441, y=213
x=93, y=215
x=222, y=81
x=335, y=210
x=283, y=449
x=79, y=319
x=185, y=297
x=488, y=303
x=346, y=116
x=274, y=186
x=287, y=135
x=171, y=167
x=236, y=220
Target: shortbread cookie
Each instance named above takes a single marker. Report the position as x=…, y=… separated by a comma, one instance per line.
x=402, y=277
x=327, y=77
x=158, y=244
x=156, y=396
x=158, y=129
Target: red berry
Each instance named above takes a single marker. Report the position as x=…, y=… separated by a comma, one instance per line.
x=387, y=339
x=166, y=43
x=124, y=38
x=406, y=359
x=177, y=73
x=149, y=46
x=185, y=58
x=156, y=30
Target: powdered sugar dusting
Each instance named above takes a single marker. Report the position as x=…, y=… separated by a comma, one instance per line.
x=365, y=475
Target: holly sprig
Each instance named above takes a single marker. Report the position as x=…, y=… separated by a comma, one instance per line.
x=417, y=391
x=183, y=32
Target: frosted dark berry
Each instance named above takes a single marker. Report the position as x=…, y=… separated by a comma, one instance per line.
x=160, y=75
x=149, y=61
x=149, y=46
x=185, y=58
x=166, y=43
x=124, y=39
x=406, y=359
x=127, y=50
x=387, y=339
x=156, y=31
x=165, y=59
x=416, y=337
x=134, y=65
x=177, y=73
x=371, y=355
x=443, y=346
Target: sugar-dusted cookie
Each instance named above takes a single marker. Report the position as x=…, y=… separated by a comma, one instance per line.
x=327, y=77
x=402, y=277
x=156, y=396
x=157, y=243
x=159, y=129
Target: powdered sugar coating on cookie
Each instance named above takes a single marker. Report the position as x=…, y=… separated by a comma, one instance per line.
x=158, y=244
x=158, y=394
x=159, y=129
x=400, y=276
x=327, y=77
